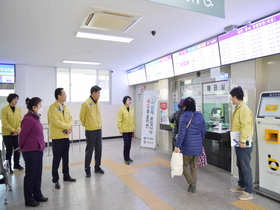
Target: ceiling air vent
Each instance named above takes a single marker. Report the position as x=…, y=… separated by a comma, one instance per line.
x=105, y=19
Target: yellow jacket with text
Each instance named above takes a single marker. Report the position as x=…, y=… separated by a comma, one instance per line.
x=59, y=121
x=90, y=116
x=10, y=120
x=242, y=120
x=126, y=119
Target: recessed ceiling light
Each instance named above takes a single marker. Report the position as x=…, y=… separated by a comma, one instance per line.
x=103, y=37
x=81, y=62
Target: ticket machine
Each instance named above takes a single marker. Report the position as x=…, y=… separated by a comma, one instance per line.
x=268, y=137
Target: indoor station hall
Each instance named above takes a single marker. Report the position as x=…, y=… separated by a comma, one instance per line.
x=92, y=78
x=145, y=184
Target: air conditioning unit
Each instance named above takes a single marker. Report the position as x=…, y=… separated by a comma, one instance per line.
x=107, y=19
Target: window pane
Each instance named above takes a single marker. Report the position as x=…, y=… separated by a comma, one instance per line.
x=103, y=82
x=81, y=82
x=62, y=80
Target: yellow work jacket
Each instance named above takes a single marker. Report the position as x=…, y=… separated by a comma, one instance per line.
x=126, y=119
x=242, y=120
x=10, y=120
x=90, y=116
x=59, y=121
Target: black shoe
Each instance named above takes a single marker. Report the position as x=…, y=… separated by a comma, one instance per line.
x=42, y=199
x=99, y=171
x=56, y=185
x=69, y=179
x=130, y=160
x=88, y=174
x=127, y=162
x=11, y=171
x=18, y=167
x=192, y=188
x=33, y=204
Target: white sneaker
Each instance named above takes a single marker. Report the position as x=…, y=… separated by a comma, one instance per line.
x=237, y=189
x=245, y=196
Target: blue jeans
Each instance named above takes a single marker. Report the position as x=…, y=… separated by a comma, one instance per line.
x=244, y=169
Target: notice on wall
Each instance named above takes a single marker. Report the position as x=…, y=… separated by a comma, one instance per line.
x=164, y=113
x=214, y=88
x=149, y=119
x=194, y=91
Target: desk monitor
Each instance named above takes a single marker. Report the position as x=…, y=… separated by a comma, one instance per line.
x=7, y=73
x=269, y=105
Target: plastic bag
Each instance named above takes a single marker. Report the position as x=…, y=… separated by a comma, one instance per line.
x=176, y=164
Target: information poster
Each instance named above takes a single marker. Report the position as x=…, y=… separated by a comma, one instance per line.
x=149, y=119
x=164, y=113
x=194, y=91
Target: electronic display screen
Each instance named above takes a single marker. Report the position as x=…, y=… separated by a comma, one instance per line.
x=259, y=39
x=202, y=56
x=269, y=105
x=136, y=75
x=7, y=73
x=159, y=69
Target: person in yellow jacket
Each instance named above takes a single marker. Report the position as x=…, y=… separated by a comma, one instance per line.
x=60, y=124
x=90, y=118
x=11, y=119
x=126, y=125
x=242, y=121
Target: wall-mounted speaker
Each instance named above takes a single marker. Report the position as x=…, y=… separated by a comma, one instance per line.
x=172, y=85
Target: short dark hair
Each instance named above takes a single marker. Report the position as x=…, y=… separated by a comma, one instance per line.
x=125, y=99
x=32, y=102
x=95, y=88
x=57, y=92
x=189, y=104
x=237, y=92
x=11, y=97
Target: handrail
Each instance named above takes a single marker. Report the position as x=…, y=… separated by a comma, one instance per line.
x=76, y=123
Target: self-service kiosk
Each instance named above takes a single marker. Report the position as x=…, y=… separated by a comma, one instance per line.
x=268, y=137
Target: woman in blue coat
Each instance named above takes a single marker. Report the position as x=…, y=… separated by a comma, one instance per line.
x=189, y=141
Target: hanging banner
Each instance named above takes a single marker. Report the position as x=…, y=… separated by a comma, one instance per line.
x=149, y=119
x=164, y=113
x=210, y=7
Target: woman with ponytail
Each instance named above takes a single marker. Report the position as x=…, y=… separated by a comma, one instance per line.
x=32, y=144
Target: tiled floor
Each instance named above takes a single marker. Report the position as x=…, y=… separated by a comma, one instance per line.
x=145, y=184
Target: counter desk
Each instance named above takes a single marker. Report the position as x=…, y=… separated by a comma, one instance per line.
x=217, y=148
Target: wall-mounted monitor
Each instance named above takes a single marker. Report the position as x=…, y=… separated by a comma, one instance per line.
x=201, y=56
x=269, y=105
x=159, y=69
x=259, y=39
x=7, y=73
x=136, y=75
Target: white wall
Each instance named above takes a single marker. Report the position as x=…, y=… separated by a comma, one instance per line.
x=33, y=81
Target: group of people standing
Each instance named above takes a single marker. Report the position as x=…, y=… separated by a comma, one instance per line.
x=189, y=130
x=25, y=135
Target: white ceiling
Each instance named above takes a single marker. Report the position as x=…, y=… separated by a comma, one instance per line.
x=42, y=32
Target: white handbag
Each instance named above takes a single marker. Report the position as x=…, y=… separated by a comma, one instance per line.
x=176, y=164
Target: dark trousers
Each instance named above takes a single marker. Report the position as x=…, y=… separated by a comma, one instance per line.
x=190, y=168
x=127, y=137
x=60, y=148
x=244, y=169
x=11, y=143
x=94, y=141
x=33, y=175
